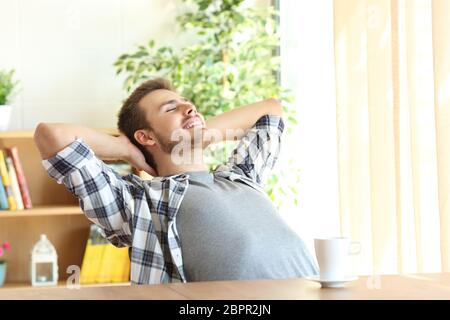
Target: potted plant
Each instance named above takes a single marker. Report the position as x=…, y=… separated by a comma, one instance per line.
x=7, y=86
x=3, y=264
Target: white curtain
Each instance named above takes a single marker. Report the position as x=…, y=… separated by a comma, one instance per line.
x=372, y=82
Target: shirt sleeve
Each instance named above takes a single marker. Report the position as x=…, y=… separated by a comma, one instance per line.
x=105, y=197
x=257, y=152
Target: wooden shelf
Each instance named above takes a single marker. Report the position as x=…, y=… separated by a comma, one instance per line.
x=53, y=210
x=28, y=134
x=16, y=134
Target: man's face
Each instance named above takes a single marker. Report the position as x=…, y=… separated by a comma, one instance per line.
x=167, y=113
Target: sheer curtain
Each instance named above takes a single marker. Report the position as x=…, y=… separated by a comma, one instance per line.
x=372, y=82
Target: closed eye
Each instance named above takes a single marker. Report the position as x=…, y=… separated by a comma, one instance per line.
x=172, y=104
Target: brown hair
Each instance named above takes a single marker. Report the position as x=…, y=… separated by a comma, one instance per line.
x=132, y=117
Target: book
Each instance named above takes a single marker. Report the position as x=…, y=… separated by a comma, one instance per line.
x=93, y=256
x=14, y=154
x=6, y=183
x=107, y=266
x=3, y=199
x=127, y=268
x=92, y=260
x=103, y=262
x=115, y=265
x=14, y=183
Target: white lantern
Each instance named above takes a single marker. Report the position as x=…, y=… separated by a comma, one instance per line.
x=44, y=263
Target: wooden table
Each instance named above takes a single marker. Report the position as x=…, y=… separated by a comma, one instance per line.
x=414, y=286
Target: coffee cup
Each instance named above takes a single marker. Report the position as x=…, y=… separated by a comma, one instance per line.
x=333, y=256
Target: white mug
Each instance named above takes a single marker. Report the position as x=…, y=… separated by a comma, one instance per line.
x=332, y=256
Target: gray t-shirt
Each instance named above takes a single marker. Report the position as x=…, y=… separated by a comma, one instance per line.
x=228, y=230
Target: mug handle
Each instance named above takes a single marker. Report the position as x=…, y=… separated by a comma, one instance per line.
x=358, y=246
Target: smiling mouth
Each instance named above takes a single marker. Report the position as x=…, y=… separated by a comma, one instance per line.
x=196, y=122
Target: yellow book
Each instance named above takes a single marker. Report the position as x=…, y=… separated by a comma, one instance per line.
x=6, y=183
x=105, y=272
x=14, y=183
x=121, y=262
x=92, y=261
x=86, y=266
x=103, y=262
x=126, y=271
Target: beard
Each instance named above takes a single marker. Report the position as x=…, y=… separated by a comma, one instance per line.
x=188, y=140
x=166, y=145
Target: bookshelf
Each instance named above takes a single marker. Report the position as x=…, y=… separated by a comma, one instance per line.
x=55, y=212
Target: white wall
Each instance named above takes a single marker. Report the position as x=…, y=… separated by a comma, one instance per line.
x=64, y=50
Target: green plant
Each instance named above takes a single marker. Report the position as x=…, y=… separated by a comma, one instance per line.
x=7, y=85
x=233, y=63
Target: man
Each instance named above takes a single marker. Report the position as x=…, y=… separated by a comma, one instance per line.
x=185, y=224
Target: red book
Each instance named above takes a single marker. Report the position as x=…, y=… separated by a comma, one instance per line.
x=14, y=154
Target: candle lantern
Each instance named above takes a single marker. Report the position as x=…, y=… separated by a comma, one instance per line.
x=44, y=263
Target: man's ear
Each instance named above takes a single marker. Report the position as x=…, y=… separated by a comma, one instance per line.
x=145, y=137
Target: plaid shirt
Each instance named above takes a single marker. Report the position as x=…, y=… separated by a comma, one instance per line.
x=141, y=213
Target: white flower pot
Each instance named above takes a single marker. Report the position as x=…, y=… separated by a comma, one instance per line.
x=5, y=117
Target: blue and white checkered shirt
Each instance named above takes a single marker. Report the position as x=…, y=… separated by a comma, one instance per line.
x=141, y=213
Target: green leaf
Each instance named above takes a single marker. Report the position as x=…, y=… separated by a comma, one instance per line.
x=7, y=85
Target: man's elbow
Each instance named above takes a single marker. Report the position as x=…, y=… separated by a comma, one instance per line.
x=274, y=107
x=40, y=132
x=44, y=137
